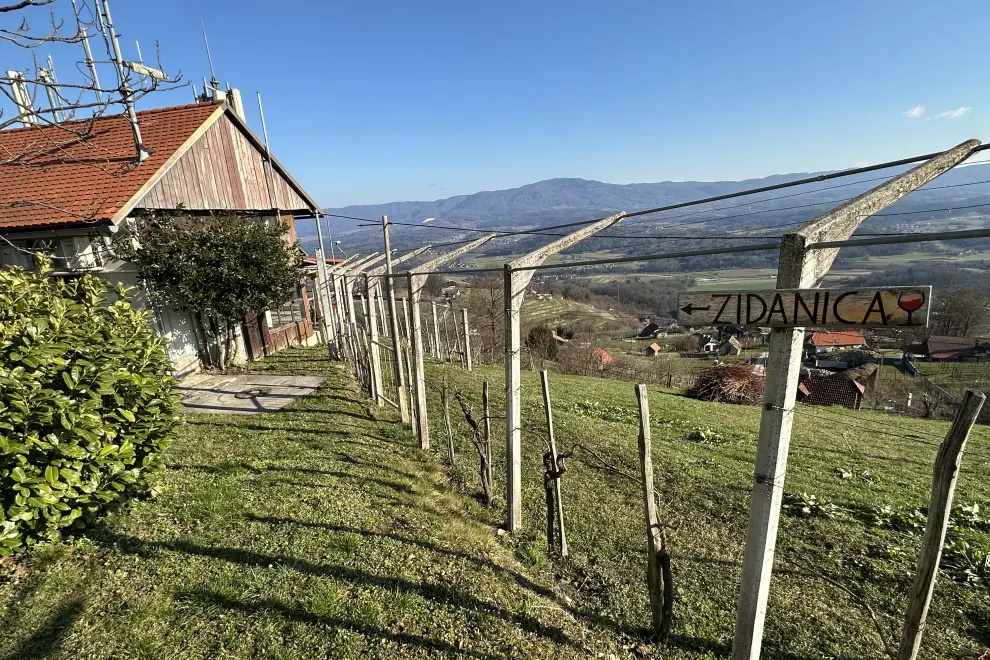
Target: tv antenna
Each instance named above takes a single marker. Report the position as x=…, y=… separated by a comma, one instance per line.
x=213, y=74
x=90, y=64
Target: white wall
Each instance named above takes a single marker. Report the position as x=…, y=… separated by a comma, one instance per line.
x=175, y=327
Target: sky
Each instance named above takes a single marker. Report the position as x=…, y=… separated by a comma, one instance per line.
x=374, y=101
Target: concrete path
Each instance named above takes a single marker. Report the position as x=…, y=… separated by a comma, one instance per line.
x=243, y=394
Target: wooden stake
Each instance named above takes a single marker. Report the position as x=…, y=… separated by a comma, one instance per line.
x=939, y=509
x=467, y=339
x=447, y=350
x=413, y=411
x=458, y=345
x=419, y=375
x=488, y=430
x=375, y=357
x=658, y=567
x=416, y=279
x=446, y=423
x=556, y=465
x=436, y=331
x=400, y=382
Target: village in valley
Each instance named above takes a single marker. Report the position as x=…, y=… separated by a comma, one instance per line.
x=731, y=406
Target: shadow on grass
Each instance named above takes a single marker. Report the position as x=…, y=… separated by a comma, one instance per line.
x=440, y=594
x=518, y=578
x=233, y=467
x=47, y=639
x=211, y=599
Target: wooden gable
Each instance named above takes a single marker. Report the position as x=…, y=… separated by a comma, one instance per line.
x=223, y=170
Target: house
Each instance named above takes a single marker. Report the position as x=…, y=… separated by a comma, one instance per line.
x=74, y=184
x=830, y=391
x=697, y=342
x=653, y=350
x=650, y=330
x=952, y=349
x=823, y=342
x=730, y=346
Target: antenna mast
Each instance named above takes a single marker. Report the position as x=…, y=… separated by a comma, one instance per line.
x=47, y=78
x=270, y=175
x=125, y=89
x=89, y=53
x=213, y=74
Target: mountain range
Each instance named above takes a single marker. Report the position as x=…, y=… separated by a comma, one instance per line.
x=566, y=199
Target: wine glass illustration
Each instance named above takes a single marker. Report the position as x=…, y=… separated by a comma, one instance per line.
x=910, y=302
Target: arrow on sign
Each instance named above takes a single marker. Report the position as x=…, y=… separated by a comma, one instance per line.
x=688, y=308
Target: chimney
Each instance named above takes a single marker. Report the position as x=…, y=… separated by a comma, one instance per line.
x=22, y=98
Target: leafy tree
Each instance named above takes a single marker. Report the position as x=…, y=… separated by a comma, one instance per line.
x=219, y=268
x=86, y=403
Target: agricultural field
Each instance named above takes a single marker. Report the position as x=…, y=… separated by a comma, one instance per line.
x=562, y=310
x=323, y=530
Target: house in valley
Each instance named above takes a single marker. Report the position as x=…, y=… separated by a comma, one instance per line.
x=824, y=342
x=65, y=189
x=731, y=346
x=951, y=349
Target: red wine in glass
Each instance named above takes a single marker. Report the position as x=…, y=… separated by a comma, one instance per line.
x=910, y=302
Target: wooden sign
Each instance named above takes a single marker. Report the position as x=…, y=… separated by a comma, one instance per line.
x=891, y=307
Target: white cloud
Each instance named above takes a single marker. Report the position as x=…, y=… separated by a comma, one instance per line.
x=915, y=112
x=953, y=114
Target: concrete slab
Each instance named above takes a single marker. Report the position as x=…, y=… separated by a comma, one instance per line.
x=243, y=394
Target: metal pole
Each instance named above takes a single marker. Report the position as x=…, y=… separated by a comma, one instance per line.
x=393, y=319
x=125, y=89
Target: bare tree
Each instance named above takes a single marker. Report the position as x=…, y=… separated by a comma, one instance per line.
x=39, y=98
x=487, y=304
x=962, y=312
x=65, y=112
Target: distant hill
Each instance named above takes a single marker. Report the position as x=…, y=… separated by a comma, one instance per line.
x=492, y=208
x=565, y=200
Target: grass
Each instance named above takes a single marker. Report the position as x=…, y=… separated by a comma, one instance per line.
x=317, y=531
x=838, y=458
x=323, y=531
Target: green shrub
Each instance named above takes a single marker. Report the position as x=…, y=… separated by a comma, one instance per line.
x=86, y=404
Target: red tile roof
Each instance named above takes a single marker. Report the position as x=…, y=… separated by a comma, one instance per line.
x=59, y=178
x=837, y=339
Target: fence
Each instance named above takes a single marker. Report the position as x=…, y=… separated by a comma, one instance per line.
x=806, y=254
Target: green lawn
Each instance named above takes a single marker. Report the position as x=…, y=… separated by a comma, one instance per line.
x=849, y=460
x=323, y=531
x=318, y=531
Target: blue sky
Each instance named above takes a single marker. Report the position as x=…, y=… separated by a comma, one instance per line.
x=371, y=101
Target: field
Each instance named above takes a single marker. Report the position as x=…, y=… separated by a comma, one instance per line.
x=561, y=310
x=323, y=531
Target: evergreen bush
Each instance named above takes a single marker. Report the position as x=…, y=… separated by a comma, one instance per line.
x=86, y=403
